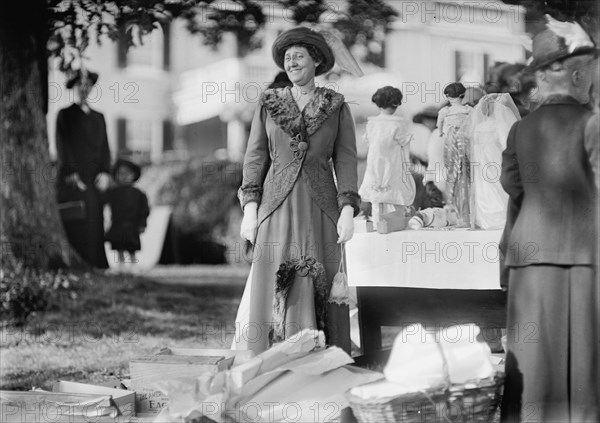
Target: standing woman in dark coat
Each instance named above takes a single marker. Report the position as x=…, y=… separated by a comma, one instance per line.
x=84, y=166
x=551, y=240
x=294, y=212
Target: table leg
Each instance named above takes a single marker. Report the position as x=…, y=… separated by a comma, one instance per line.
x=370, y=327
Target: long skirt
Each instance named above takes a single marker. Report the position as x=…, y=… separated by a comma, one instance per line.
x=86, y=236
x=298, y=227
x=552, y=363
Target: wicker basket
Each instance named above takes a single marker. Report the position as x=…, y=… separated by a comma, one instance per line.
x=471, y=402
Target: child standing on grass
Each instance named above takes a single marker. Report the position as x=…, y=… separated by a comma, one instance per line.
x=129, y=211
x=388, y=183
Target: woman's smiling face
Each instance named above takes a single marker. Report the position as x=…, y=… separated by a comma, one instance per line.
x=299, y=65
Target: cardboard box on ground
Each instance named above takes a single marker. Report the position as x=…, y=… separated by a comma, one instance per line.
x=68, y=402
x=174, y=363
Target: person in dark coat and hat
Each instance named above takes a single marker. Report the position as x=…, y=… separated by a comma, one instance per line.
x=129, y=211
x=84, y=166
x=550, y=239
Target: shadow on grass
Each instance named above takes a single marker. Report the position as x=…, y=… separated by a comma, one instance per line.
x=114, y=315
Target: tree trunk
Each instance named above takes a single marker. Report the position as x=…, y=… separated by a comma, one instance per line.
x=31, y=230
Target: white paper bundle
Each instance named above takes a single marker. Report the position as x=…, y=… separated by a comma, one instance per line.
x=214, y=395
x=423, y=359
x=416, y=361
x=467, y=358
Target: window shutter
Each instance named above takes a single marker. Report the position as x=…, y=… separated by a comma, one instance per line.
x=122, y=48
x=486, y=67
x=166, y=27
x=457, y=65
x=167, y=135
x=121, y=135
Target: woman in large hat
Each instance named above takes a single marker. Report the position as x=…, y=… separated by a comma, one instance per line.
x=294, y=213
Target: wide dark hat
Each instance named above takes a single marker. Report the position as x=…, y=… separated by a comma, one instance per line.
x=560, y=41
x=303, y=35
x=137, y=171
x=76, y=77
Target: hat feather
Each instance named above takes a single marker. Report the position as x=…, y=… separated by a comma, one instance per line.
x=343, y=57
x=574, y=35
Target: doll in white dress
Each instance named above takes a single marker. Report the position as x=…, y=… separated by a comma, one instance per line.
x=487, y=130
x=388, y=183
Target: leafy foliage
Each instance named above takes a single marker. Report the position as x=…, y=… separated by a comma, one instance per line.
x=71, y=22
x=586, y=12
x=362, y=28
x=305, y=10
x=242, y=18
x=202, y=194
x=24, y=291
x=365, y=27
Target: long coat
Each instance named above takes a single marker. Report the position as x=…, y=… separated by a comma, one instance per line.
x=289, y=171
x=270, y=173
x=82, y=145
x=549, y=245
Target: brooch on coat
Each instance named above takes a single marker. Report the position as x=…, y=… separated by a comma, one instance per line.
x=298, y=146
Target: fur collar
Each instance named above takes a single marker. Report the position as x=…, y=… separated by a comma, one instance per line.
x=285, y=112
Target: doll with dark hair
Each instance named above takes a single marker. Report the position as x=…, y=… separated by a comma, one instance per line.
x=388, y=183
x=451, y=116
x=387, y=97
x=450, y=120
x=129, y=211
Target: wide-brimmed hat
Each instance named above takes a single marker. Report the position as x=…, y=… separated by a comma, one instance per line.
x=76, y=77
x=137, y=171
x=560, y=41
x=303, y=35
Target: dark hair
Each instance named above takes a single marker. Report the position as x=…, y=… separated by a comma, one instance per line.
x=455, y=90
x=313, y=52
x=281, y=81
x=387, y=97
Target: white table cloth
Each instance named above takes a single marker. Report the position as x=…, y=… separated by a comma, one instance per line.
x=434, y=259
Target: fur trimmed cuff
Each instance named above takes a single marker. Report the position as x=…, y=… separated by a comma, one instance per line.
x=349, y=198
x=249, y=194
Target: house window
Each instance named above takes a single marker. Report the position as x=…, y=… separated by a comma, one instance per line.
x=471, y=67
x=139, y=135
x=145, y=137
x=155, y=52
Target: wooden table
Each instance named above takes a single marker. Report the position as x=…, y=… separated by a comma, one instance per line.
x=437, y=278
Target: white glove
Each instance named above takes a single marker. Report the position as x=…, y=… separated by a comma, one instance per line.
x=75, y=180
x=345, y=225
x=102, y=181
x=249, y=222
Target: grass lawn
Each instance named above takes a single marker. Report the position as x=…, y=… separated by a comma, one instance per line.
x=113, y=318
x=91, y=338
